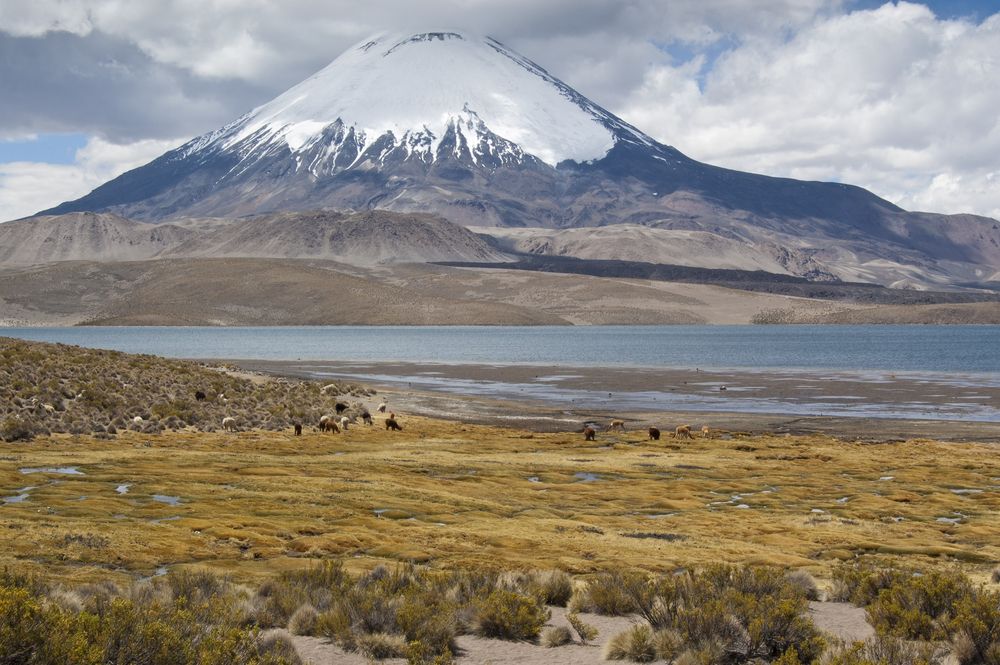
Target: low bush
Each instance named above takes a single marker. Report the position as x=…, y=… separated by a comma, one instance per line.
x=920, y=607
x=509, y=616
x=583, y=630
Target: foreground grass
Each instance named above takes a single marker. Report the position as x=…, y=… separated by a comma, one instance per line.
x=449, y=495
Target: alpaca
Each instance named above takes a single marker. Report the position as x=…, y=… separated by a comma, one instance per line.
x=229, y=424
x=328, y=425
x=366, y=418
x=617, y=423
x=390, y=423
x=706, y=432
x=381, y=407
x=654, y=434
x=589, y=434
x=298, y=429
x=682, y=432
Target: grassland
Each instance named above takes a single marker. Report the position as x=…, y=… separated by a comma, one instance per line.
x=451, y=495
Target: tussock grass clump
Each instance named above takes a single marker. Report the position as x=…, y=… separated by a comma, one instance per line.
x=379, y=646
x=995, y=576
x=303, y=620
x=634, y=644
x=556, y=636
x=607, y=594
x=804, y=582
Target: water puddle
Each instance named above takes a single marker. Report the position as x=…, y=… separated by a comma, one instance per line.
x=534, y=479
x=123, y=489
x=586, y=477
x=966, y=491
x=169, y=500
x=65, y=470
x=20, y=497
x=161, y=520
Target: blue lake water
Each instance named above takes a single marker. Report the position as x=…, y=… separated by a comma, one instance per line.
x=974, y=349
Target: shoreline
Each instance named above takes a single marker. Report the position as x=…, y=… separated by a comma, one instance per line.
x=547, y=398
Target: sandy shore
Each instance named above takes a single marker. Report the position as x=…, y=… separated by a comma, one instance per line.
x=858, y=405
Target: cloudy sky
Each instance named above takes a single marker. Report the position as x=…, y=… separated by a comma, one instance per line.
x=901, y=98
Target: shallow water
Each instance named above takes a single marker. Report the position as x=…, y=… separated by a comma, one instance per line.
x=909, y=348
x=169, y=500
x=64, y=470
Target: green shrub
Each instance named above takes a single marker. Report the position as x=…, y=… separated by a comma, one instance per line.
x=976, y=629
x=861, y=584
x=509, y=615
x=920, y=607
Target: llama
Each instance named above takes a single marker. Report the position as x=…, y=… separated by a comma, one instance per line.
x=617, y=423
x=390, y=423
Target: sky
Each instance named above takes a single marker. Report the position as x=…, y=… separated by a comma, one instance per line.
x=902, y=98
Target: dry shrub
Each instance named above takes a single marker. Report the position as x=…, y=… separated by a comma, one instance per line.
x=277, y=647
x=554, y=587
x=882, y=650
x=608, y=594
x=335, y=625
x=583, y=630
x=303, y=620
x=556, y=636
x=667, y=643
x=804, y=582
x=634, y=644
x=379, y=646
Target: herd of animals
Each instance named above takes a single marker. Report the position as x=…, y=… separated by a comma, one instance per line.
x=341, y=422
x=680, y=432
x=327, y=423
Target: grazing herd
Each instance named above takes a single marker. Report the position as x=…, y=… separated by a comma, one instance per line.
x=327, y=423
x=342, y=421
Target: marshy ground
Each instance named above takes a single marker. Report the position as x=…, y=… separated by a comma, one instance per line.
x=452, y=495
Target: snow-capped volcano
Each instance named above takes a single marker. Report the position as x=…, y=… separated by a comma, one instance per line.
x=464, y=127
x=410, y=92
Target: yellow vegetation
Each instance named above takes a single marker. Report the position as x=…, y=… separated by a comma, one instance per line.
x=453, y=495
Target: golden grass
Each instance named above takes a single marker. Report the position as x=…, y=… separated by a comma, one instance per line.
x=451, y=495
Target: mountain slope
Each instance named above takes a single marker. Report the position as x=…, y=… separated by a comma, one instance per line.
x=84, y=236
x=364, y=238
x=463, y=127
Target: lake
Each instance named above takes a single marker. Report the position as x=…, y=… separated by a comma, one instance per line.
x=964, y=349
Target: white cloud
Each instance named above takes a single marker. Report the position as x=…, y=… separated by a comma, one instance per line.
x=27, y=187
x=892, y=99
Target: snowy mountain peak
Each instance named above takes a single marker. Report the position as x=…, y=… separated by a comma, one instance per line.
x=420, y=94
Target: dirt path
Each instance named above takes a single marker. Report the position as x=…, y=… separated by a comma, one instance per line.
x=838, y=619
